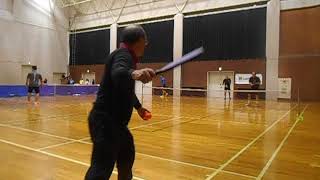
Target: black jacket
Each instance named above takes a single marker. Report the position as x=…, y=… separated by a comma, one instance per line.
x=116, y=95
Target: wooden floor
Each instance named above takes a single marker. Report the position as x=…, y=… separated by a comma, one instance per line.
x=188, y=138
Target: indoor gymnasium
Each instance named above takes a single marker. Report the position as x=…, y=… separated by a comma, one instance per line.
x=159, y=89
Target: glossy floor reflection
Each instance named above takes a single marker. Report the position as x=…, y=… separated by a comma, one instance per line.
x=187, y=138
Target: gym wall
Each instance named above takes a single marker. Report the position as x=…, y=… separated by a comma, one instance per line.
x=31, y=36
x=300, y=50
x=77, y=70
x=194, y=74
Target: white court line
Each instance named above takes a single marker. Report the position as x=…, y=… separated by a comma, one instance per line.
x=190, y=164
x=56, y=145
x=159, y=122
x=174, y=118
x=159, y=158
x=54, y=155
x=133, y=128
x=86, y=138
x=37, y=132
x=179, y=162
x=65, y=143
x=247, y=146
x=161, y=115
x=70, y=140
x=266, y=167
x=42, y=133
x=194, y=165
x=315, y=165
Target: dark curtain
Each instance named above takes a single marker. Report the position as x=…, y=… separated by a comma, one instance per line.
x=227, y=36
x=89, y=47
x=160, y=38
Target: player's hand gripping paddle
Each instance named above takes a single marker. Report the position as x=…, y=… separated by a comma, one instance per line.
x=182, y=60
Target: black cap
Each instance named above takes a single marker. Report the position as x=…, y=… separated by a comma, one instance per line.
x=132, y=34
x=34, y=67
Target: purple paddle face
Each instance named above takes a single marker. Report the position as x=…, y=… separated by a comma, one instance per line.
x=182, y=60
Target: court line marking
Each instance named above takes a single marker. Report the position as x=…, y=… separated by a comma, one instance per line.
x=159, y=158
x=184, y=122
x=35, y=120
x=170, y=119
x=42, y=133
x=86, y=138
x=315, y=165
x=150, y=124
x=266, y=167
x=115, y=172
x=248, y=145
x=193, y=165
x=151, y=156
x=133, y=128
x=81, y=141
x=71, y=140
x=192, y=119
x=54, y=155
x=65, y=143
x=170, y=126
x=55, y=145
x=219, y=120
x=42, y=119
x=53, y=117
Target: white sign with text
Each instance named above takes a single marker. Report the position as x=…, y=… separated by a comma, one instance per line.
x=284, y=88
x=244, y=78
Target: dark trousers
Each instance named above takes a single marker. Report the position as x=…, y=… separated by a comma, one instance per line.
x=111, y=144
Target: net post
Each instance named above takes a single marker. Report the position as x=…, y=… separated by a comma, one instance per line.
x=54, y=89
x=299, y=103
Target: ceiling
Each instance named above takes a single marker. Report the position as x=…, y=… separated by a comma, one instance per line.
x=90, y=7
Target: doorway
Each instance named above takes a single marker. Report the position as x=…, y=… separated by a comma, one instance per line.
x=89, y=76
x=215, y=86
x=25, y=70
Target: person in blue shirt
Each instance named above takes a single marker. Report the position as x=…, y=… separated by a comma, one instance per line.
x=164, y=85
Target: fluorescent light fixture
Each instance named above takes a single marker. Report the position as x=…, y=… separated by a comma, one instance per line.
x=44, y=4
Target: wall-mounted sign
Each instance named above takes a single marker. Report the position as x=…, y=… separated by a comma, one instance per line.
x=244, y=78
x=284, y=88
